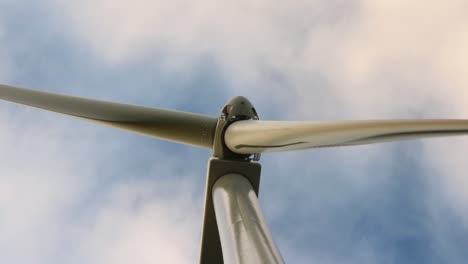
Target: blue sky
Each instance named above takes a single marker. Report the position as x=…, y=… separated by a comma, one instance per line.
x=75, y=192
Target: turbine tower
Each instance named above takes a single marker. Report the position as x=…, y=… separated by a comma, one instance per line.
x=234, y=229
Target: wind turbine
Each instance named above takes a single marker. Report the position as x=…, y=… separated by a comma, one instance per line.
x=234, y=230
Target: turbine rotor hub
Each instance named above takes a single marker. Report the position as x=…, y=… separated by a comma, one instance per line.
x=237, y=109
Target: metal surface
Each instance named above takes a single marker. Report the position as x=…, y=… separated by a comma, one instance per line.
x=211, y=252
x=254, y=136
x=181, y=127
x=238, y=108
x=234, y=229
x=244, y=234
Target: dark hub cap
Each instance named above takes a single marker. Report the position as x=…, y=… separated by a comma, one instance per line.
x=239, y=108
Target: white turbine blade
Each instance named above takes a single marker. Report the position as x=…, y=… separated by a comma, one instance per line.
x=181, y=127
x=254, y=136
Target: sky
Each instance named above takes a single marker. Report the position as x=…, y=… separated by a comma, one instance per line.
x=76, y=192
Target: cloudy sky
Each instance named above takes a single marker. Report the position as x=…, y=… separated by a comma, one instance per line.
x=75, y=192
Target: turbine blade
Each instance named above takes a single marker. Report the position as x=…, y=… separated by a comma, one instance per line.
x=254, y=136
x=181, y=127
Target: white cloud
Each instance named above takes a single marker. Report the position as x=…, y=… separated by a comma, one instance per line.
x=52, y=207
x=36, y=186
x=5, y=66
x=135, y=225
x=366, y=51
